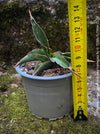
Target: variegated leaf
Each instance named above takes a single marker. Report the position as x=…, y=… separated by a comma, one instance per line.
x=60, y=60
x=39, y=33
x=38, y=51
x=32, y=57
x=42, y=66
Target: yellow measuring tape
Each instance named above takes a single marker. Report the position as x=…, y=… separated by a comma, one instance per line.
x=78, y=45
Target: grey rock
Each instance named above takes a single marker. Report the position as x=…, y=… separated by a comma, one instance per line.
x=94, y=104
x=16, y=76
x=30, y=72
x=1, y=73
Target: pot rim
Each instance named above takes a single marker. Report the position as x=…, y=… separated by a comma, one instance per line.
x=18, y=69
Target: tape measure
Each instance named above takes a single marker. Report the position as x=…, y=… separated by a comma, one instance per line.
x=78, y=46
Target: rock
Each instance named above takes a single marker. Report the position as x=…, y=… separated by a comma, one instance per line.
x=1, y=73
x=52, y=132
x=5, y=73
x=1, y=104
x=92, y=22
x=16, y=76
x=89, y=85
x=98, y=88
x=94, y=92
x=94, y=104
x=32, y=119
x=14, y=85
x=30, y=72
x=98, y=110
x=91, y=10
x=96, y=114
x=13, y=93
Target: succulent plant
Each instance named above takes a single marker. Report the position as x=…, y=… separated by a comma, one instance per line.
x=45, y=55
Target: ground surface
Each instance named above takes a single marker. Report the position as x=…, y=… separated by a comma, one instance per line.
x=15, y=117
x=92, y=92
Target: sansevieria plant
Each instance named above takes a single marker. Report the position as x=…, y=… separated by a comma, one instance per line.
x=45, y=55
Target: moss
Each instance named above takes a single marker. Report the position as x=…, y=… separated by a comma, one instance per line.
x=11, y=12
x=16, y=33
x=15, y=118
x=61, y=10
x=3, y=87
x=5, y=82
x=91, y=41
x=57, y=33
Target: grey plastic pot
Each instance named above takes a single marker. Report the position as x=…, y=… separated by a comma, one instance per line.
x=48, y=97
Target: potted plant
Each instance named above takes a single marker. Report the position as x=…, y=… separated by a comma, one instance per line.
x=48, y=97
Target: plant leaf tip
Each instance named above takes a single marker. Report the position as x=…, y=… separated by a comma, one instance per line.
x=30, y=14
x=16, y=65
x=72, y=70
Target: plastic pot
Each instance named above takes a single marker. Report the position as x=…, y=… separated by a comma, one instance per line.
x=48, y=97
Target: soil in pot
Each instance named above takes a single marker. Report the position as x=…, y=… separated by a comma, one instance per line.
x=56, y=70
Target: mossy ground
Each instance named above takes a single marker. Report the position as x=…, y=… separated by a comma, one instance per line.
x=15, y=117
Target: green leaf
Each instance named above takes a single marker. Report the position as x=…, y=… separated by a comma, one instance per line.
x=67, y=58
x=60, y=60
x=37, y=66
x=42, y=66
x=40, y=57
x=73, y=71
x=32, y=57
x=25, y=59
x=58, y=52
x=39, y=33
x=38, y=51
x=66, y=55
x=50, y=52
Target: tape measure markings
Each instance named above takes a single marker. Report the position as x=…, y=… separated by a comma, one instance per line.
x=78, y=45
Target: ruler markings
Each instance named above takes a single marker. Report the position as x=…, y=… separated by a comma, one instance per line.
x=78, y=45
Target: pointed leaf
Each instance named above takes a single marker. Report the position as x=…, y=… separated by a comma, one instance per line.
x=66, y=55
x=32, y=57
x=40, y=57
x=59, y=52
x=67, y=58
x=38, y=51
x=25, y=59
x=90, y=60
x=37, y=66
x=42, y=66
x=60, y=60
x=72, y=70
x=39, y=33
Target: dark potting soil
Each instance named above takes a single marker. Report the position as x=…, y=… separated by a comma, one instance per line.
x=55, y=71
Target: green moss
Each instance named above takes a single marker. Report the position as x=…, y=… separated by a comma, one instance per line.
x=15, y=118
x=57, y=33
x=16, y=33
x=11, y=12
x=17, y=36
x=91, y=50
x=5, y=82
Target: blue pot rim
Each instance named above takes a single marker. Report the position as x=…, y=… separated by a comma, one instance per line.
x=18, y=69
